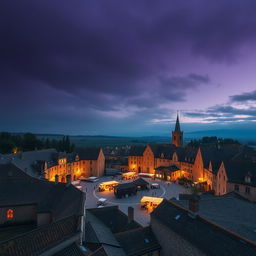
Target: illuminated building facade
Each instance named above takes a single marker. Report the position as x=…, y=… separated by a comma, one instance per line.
x=86, y=163
x=202, y=165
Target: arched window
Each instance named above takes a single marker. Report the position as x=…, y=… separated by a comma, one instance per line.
x=9, y=214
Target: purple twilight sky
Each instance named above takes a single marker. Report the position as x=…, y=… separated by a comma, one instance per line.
x=125, y=67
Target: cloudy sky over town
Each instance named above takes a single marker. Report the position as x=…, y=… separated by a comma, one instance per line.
x=125, y=67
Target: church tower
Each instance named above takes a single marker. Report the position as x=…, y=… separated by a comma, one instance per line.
x=177, y=134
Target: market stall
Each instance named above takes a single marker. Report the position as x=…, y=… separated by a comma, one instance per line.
x=107, y=185
x=129, y=175
x=150, y=202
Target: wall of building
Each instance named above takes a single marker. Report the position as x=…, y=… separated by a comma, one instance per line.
x=172, y=243
x=163, y=162
x=177, y=138
x=193, y=171
x=76, y=169
x=21, y=214
x=187, y=168
x=243, y=190
x=135, y=163
x=198, y=168
x=221, y=181
x=148, y=161
x=100, y=164
x=208, y=177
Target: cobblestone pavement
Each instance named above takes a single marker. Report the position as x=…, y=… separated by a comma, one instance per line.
x=142, y=216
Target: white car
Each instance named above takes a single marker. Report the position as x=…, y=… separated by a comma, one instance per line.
x=102, y=201
x=155, y=185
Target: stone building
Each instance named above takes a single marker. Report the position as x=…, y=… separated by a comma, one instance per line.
x=48, y=163
x=38, y=217
x=208, y=166
x=182, y=231
x=109, y=232
x=31, y=162
x=230, y=211
x=242, y=179
x=85, y=162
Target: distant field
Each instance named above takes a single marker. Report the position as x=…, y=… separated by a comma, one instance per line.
x=110, y=140
x=84, y=141
x=116, y=141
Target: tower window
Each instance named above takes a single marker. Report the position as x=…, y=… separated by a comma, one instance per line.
x=9, y=214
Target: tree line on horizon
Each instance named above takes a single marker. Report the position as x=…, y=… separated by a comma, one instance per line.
x=213, y=140
x=14, y=143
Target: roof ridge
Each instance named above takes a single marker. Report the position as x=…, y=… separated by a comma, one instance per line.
x=131, y=230
x=212, y=223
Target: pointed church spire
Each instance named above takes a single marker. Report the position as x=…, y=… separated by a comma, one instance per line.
x=177, y=134
x=177, y=126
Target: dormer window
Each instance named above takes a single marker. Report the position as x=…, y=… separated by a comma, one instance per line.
x=247, y=178
x=9, y=214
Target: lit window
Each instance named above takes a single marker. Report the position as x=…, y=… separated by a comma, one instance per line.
x=9, y=214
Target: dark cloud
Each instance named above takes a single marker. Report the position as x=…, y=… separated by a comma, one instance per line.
x=224, y=114
x=247, y=96
x=200, y=114
x=230, y=110
x=80, y=60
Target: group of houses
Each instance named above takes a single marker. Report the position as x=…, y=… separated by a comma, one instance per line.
x=42, y=213
x=52, y=165
x=217, y=168
x=40, y=217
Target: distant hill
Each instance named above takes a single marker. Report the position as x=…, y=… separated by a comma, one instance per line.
x=225, y=133
x=244, y=136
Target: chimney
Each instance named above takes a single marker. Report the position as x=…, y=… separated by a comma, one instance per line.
x=193, y=204
x=56, y=179
x=68, y=178
x=130, y=214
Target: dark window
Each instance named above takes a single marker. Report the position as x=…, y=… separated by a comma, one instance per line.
x=247, y=190
x=236, y=188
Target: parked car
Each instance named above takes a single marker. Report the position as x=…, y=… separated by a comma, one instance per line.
x=102, y=201
x=155, y=185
